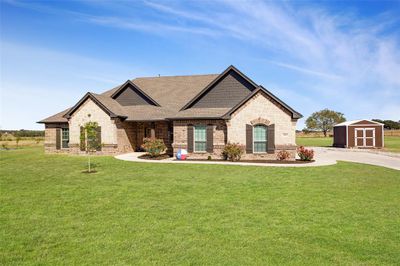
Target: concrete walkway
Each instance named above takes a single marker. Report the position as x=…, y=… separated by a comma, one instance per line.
x=324, y=156
x=133, y=157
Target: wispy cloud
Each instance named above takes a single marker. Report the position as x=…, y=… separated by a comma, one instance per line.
x=349, y=55
x=331, y=53
x=148, y=27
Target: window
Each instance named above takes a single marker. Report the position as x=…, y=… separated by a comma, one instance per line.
x=65, y=137
x=200, y=138
x=260, y=138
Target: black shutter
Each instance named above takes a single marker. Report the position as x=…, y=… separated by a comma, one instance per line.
x=98, y=138
x=58, y=138
x=249, y=139
x=82, y=136
x=271, y=138
x=210, y=140
x=190, y=138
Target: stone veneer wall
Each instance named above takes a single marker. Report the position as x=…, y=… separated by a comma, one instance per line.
x=264, y=108
x=90, y=111
x=219, y=136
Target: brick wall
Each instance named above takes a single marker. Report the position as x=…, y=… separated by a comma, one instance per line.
x=50, y=138
x=219, y=136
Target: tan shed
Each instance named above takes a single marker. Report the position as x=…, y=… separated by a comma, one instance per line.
x=358, y=134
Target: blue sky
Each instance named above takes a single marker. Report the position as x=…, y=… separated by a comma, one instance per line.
x=340, y=55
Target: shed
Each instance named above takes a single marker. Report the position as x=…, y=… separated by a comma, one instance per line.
x=358, y=134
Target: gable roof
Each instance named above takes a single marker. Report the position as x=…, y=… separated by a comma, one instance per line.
x=171, y=95
x=108, y=105
x=351, y=122
x=130, y=83
x=295, y=114
x=215, y=81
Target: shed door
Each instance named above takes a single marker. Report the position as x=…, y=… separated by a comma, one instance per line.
x=365, y=137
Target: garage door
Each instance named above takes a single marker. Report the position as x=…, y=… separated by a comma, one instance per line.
x=365, y=137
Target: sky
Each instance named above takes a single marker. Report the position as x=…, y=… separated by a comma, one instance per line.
x=341, y=55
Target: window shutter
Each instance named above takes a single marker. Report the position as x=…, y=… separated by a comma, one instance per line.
x=271, y=138
x=190, y=138
x=98, y=137
x=82, y=145
x=58, y=138
x=210, y=140
x=249, y=139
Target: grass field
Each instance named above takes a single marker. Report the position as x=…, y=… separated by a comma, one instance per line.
x=392, y=143
x=139, y=213
x=314, y=141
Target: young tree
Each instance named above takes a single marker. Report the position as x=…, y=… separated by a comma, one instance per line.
x=17, y=138
x=92, y=142
x=324, y=120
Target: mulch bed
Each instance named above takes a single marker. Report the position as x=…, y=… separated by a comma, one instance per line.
x=148, y=157
x=253, y=161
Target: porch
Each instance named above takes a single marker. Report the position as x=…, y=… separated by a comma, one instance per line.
x=130, y=135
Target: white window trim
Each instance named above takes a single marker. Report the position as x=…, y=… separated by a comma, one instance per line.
x=194, y=139
x=364, y=138
x=266, y=142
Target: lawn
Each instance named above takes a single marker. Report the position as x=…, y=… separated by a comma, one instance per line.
x=392, y=143
x=314, y=141
x=141, y=213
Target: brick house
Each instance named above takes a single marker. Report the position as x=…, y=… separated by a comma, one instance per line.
x=200, y=113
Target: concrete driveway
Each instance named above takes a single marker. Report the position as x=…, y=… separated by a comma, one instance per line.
x=386, y=159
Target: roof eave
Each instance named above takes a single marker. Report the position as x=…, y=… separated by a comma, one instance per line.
x=195, y=118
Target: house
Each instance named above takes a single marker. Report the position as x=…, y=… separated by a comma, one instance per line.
x=200, y=113
x=358, y=134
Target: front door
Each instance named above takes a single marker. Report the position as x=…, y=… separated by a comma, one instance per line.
x=364, y=137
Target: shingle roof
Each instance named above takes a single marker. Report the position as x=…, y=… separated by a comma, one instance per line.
x=57, y=118
x=170, y=92
x=200, y=113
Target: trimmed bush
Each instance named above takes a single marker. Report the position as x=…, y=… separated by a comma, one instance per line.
x=305, y=154
x=233, y=152
x=283, y=155
x=154, y=147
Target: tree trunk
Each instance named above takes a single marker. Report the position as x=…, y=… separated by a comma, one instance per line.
x=89, y=163
x=325, y=133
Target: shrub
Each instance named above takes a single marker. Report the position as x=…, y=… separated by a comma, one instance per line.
x=233, y=152
x=283, y=155
x=154, y=147
x=305, y=154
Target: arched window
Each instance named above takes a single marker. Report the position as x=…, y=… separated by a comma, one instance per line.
x=260, y=138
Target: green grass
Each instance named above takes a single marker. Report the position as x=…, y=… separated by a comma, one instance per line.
x=314, y=141
x=141, y=213
x=392, y=143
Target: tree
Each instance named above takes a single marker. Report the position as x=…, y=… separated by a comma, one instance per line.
x=324, y=120
x=388, y=124
x=92, y=142
x=17, y=138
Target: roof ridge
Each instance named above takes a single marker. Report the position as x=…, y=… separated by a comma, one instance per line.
x=176, y=76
